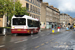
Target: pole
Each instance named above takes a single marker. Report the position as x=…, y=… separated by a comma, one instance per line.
x=7, y=19
x=14, y=5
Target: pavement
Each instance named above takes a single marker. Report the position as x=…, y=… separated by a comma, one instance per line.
x=56, y=30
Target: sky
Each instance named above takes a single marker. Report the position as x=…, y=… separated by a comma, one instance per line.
x=64, y=6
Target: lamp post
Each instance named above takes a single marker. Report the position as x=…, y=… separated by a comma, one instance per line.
x=14, y=5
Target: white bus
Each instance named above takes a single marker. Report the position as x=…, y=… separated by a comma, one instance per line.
x=21, y=24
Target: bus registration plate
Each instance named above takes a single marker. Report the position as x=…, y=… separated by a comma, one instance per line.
x=19, y=30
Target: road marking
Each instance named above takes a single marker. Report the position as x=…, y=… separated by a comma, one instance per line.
x=61, y=46
x=36, y=46
x=47, y=42
x=2, y=46
x=21, y=41
x=35, y=37
x=42, y=44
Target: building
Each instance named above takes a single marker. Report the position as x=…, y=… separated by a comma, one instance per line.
x=65, y=20
x=3, y=21
x=71, y=21
x=33, y=6
x=43, y=16
x=49, y=16
x=55, y=14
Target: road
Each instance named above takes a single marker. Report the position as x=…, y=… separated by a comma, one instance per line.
x=45, y=40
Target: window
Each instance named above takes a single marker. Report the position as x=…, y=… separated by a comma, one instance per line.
x=27, y=0
x=19, y=21
x=31, y=7
x=32, y=23
x=31, y=0
x=27, y=5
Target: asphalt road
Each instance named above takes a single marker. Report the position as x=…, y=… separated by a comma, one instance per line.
x=45, y=40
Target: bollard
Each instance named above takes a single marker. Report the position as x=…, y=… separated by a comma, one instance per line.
x=52, y=30
x=4, y=31
x=67, y=28
x=58, y=30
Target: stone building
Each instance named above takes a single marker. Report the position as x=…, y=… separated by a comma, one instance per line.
x=34, y=7
x=65, y=20
x=49, y=15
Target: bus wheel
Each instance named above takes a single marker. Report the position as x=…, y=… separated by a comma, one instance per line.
x=37, y=33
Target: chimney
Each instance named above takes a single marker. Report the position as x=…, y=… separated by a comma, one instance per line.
x=52, y=6
x=46, y=3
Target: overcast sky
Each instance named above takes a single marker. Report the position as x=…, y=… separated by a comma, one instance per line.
x=64, y=6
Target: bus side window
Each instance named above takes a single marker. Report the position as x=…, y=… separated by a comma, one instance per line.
x=30, y=23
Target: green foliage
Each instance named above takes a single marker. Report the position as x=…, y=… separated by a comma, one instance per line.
x=10, y=8
x=1, y=8
x=19, y=10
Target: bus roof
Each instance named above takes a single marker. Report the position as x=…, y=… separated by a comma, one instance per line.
x=24, y=16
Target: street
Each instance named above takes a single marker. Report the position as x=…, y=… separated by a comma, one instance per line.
x=44, y=40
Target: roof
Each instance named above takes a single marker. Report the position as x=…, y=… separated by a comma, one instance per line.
x=25, y=16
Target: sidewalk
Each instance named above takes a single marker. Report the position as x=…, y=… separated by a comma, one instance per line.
x=55, y=30
x=7, y=33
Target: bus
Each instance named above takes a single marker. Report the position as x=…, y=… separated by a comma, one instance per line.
x=23, y=24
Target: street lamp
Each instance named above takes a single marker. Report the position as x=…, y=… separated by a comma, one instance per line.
x=14, y=5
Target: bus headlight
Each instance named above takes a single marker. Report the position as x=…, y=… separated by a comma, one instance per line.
x=12, y=27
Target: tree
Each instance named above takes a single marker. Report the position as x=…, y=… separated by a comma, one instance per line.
x=9, y=8
x=19, y=10
x=1, y=8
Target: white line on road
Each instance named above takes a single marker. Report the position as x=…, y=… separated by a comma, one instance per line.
x=2, y=46
x=21, y=41
x=35, y=37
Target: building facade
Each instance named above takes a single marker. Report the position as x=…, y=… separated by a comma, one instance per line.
x=43, y=16
x=3, y=21
x=49, y=15
x=65, y=20
x=33, y=6
x=71, y=21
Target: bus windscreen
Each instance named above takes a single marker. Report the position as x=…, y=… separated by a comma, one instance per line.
x=19, y=21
